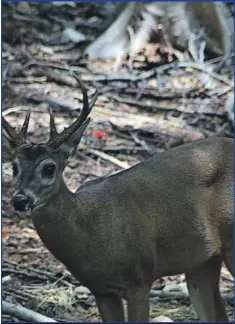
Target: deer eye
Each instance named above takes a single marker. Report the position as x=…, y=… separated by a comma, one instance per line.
x=48, y=170
x=15, y=169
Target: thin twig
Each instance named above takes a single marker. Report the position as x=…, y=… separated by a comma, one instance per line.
x=142, y=143
x=125, y=149
x=102, y=155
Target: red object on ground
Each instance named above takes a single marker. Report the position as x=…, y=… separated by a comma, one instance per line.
x=98, y=134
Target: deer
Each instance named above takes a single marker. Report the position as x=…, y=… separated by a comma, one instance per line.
x=170, y=214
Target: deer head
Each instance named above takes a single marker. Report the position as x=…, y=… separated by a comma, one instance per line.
x=37, y=168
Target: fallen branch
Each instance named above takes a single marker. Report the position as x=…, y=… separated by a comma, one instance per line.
x=28, y=79
x=188, y=106
x=54, y=102
x=168, y=295
x=152, y=93
x=202, y=68
x=124, y=149
x=25, y=273
x=59, y=78
x=19, y=110
x=6, y=279
x=119, y=77
x=102, y=155
x=24, y=313
x=128, y=77
x=55, y=65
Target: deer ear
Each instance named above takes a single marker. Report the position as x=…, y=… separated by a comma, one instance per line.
x=8, y=149
x=69, y=147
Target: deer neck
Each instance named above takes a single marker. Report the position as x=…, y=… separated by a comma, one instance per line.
x=58, y=208
x=60, y=227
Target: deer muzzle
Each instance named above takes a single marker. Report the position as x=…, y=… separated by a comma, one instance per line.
x=22, y=202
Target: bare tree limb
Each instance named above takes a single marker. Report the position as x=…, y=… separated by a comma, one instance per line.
x=202, y=68
x=24, y=313
x=169, y=295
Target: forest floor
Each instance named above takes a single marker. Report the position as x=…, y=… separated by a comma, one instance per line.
x=144, y=107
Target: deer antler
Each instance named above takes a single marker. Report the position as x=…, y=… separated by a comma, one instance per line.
x=24, y=129
x=17, y=138
x=53, y=131
x=57, y=139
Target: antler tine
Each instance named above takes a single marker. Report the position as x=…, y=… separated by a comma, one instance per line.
x=86, y=109
x=93, y=100
x=17, y=138
x=57, y=140
x=23, y=133
x=10, y=131
x=53, y=130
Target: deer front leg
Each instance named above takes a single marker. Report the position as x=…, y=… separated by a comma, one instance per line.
x=228, y=258
x=138, y=305
x=110, y=308
x=203, y=286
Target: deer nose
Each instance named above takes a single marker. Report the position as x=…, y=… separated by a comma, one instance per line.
x=20, y=202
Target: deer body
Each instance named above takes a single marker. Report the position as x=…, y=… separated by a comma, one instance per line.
x=124, y=232
x=171, y=214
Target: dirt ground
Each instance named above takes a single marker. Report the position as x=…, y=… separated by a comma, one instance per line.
x=148, y=108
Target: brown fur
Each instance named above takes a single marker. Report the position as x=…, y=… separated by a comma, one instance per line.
x=171, y=214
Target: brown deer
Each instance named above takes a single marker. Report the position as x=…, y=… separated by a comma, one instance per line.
x=169, y=215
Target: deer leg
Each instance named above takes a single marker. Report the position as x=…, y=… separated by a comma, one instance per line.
x=228, y=260
x=110, y=308
x=138, y=306
x=203, y=286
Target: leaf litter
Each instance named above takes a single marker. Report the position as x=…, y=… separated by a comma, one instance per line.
x=155, y=106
